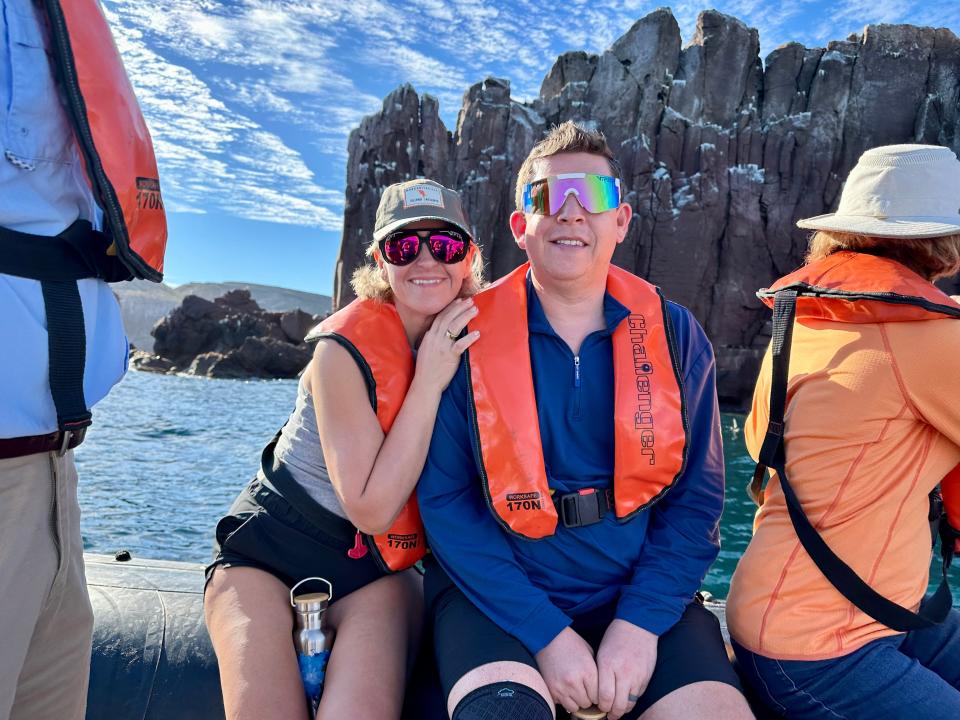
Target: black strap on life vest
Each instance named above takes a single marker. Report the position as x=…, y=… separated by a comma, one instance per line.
x=58, y=262
x=78, y=252
x=840, y=575
x=67, y=351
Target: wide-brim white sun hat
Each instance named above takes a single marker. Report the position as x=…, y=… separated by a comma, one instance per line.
x=907, y=191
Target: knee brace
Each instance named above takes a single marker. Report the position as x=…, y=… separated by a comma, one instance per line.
x=503, y=701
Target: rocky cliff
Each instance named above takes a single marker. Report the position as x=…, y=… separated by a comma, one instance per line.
x=721, y=153
x=144, y=303
x=230, y=337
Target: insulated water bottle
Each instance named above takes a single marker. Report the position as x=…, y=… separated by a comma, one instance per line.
x=312, y=638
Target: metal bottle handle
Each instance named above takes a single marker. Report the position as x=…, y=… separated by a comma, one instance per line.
x=324, y=580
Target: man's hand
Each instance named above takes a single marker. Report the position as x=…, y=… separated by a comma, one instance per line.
x=568, y=667
x=625, y=662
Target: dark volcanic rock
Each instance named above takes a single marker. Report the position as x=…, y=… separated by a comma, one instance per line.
x=188, y=330
x=145, y=362
x=720, y=156
x=231, y=337
x=295, y=325
x=238, y=301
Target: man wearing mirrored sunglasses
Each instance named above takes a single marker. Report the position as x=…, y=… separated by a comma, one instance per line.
x=574, y=485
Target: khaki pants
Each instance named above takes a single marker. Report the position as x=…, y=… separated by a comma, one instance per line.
x=46, y=622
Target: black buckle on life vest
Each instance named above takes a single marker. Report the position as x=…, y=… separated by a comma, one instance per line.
x=584, y=507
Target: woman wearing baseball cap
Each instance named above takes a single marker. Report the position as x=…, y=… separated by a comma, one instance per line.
x=332, y=498
x=857, y=415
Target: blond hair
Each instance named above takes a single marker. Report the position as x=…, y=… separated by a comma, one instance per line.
x=568, y=137
x=369, y=282
x=930, y=258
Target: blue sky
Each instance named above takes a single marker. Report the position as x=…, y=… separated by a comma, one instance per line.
x=250, y=102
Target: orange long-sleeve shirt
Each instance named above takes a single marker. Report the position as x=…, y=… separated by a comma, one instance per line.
x=872, y=425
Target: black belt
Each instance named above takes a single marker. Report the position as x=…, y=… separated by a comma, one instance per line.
x=584, y=507
x=58, y=442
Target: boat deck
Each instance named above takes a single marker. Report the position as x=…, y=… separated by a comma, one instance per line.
x=152, y=658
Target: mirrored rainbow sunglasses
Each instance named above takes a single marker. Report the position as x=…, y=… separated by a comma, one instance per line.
x=595, y=193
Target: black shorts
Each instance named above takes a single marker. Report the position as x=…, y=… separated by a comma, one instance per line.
x=264, y=530
x=464, y=639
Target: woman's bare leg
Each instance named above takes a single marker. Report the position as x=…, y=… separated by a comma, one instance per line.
x=378, y=631
x=250, y=621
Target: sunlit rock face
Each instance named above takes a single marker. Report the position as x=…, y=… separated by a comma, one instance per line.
x=721, y=154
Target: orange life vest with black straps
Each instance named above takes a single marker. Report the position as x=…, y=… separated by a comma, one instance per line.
x=650, y=425
x=112, y=136
x=859, y=288
x=373, y=334
x=850, y=287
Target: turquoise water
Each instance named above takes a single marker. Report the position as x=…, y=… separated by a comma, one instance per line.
x=166, y=456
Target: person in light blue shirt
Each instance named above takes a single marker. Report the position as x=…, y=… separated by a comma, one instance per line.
x=46, y=199
x=43, y=190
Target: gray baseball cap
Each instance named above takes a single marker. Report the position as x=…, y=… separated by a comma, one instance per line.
x=419, y=199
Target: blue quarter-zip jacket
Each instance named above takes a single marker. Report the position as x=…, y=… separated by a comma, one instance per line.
x=651, y=565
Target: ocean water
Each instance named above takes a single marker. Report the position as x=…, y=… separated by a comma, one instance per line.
x=167, y=454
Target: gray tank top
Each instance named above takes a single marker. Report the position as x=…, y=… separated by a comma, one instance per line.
x=298, y=448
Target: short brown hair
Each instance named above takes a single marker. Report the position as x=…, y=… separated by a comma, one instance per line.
x=369, y=282
x=931, y=258
x=566, y=138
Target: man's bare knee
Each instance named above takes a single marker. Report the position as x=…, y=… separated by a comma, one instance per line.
x=712, y=699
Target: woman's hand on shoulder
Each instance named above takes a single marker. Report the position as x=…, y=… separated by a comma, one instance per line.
x=439, y=355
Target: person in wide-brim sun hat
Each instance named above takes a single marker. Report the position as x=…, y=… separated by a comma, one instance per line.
x=898, y=191
x=870, y=425
x=902, y=201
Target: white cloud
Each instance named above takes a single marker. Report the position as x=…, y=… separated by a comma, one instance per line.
x=212, y=157
x=250, y=100
x=419, y=68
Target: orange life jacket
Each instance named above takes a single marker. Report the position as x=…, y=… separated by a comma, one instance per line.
x=859, y=288
x=650, y=425
x=850, y=287
x=373, y=334
x=112, y=135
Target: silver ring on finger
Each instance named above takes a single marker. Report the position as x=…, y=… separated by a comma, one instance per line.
x=451, y=335
x=632, y=698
